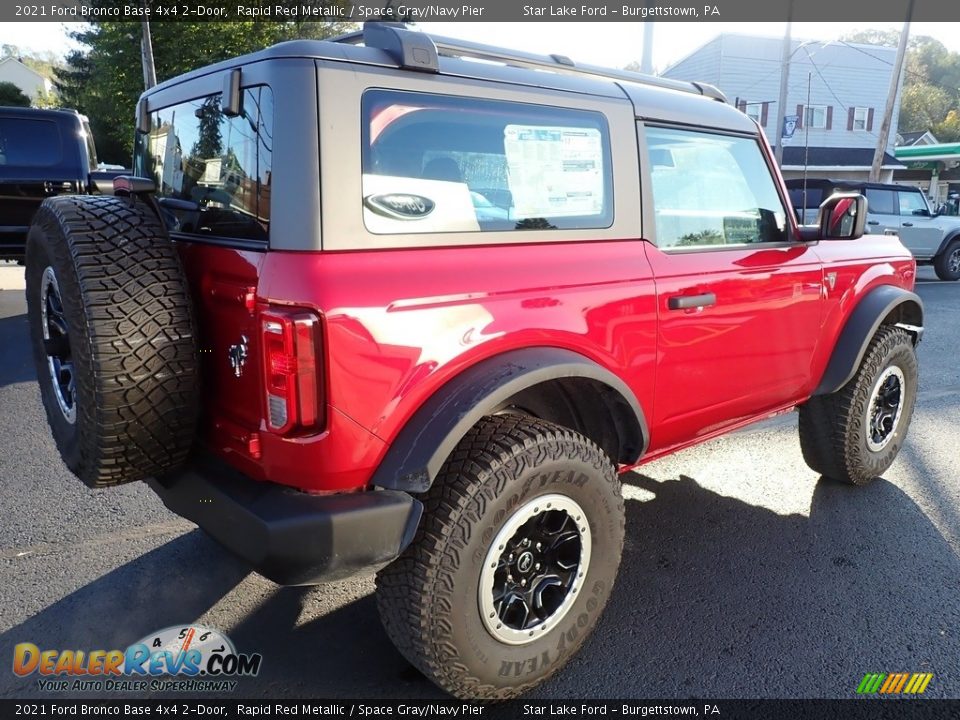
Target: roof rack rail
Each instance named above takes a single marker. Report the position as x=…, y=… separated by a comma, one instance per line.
x=403, y=44
x=412, y=50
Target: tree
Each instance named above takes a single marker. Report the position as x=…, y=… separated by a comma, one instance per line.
x=105, y=77
x=949, y=129
x=931, y=84
x=12, y=96
x=47, y=100
x=922, y=106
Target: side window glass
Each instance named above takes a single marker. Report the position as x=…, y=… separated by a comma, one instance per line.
x=881, y=202
x=712, y=190
x=436, y=164
x=912, y=203
x=212, y=171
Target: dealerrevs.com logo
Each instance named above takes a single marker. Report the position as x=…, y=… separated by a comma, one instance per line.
x=177, y=659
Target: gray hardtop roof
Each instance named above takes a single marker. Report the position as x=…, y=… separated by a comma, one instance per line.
x=657, y=101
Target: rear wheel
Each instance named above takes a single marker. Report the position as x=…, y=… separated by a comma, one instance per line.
x=947, y=263
x=854, y=434
x=514, y=560
x=113, y=338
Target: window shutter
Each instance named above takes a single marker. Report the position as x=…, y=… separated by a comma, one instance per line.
x=869, y=119
x=764, y=113
x=829, y=117
x=742, y=105
x=850, y=113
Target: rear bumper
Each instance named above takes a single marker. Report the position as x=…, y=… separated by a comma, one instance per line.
x=288, y=536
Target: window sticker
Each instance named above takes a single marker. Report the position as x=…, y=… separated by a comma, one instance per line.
x=554, y=171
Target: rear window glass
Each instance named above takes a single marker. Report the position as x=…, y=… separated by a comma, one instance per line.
x=434, y=164
x=30, y=143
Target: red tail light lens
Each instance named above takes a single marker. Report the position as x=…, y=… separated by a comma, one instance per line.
x=292, y=370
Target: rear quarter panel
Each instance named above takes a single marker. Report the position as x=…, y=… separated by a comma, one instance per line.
x=399, y=324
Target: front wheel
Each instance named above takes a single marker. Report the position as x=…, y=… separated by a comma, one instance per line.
x=513, y=563
x=947, y=263
x=854, y=434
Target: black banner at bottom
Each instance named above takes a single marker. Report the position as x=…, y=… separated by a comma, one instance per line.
x=917, y=708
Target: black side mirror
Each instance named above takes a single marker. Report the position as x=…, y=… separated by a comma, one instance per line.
x=231, y=98
x=843, y=216
x=143, y=116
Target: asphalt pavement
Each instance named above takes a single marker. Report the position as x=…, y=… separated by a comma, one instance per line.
x=743, y=575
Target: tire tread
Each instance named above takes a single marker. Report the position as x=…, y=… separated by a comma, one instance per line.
x=477, y=471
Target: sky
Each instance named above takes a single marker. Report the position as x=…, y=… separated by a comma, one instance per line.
x=612, y=44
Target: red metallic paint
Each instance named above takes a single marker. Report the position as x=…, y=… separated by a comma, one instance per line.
x=397, y=325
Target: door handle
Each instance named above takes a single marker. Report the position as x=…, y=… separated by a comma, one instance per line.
x=691, y=302
x=873, y=222
x=907, y=224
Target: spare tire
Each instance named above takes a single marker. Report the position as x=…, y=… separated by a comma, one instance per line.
x=113, y=336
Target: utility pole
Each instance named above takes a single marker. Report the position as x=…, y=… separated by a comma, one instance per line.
x=784, y=81
x=146, y=49
x=646, y=61
x=895, y=78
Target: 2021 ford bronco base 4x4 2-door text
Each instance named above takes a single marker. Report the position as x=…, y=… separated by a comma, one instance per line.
x=381, y=307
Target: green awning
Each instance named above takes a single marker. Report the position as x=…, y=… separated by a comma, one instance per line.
x=941, y=151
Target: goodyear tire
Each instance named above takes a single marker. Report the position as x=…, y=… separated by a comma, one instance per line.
x=947, y=263
x=513, y=562
x=113, y=338
x=854, y=434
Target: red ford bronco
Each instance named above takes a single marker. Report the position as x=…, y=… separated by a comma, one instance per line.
x=382, y=307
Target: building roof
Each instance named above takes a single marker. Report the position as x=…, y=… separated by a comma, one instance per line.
x=743, y=39
x=909, y=139
x=11, y=59
x=839, y=158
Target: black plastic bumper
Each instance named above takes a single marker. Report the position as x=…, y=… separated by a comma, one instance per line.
x=288, y=536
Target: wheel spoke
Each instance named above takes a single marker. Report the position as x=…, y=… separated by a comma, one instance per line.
x=565, y=551
x=546, y=595
x=514, y=611
x=72, y=386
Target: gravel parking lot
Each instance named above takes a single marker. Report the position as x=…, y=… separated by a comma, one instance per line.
x=743, y=576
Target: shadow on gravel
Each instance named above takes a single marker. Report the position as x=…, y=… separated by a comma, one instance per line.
x=175, y=583
x=716, y=599
x=16, y=364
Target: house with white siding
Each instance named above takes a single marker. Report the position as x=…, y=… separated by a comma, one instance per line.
x=836, y=94
x=31, y=83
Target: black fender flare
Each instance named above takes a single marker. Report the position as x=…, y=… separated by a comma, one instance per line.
x=433, y=431
x=955, y=235
x=876, y=306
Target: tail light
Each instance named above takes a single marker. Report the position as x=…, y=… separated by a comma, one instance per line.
x=293, y=371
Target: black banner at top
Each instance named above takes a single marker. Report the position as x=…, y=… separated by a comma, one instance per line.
x=482, y=10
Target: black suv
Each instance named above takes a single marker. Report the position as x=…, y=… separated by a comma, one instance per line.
x=42, y=153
